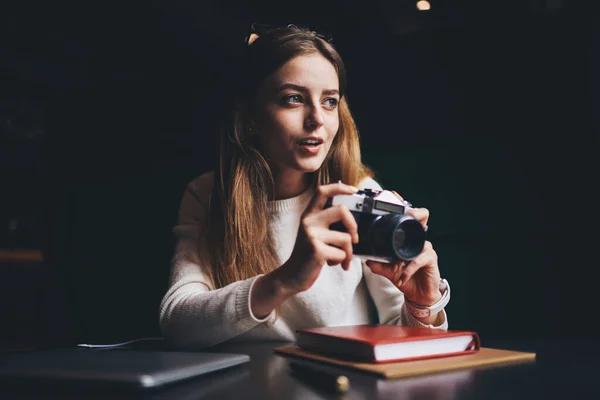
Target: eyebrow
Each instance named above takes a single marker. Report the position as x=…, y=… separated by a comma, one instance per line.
x=304, y=89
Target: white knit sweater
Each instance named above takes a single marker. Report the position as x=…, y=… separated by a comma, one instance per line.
x=194, y=315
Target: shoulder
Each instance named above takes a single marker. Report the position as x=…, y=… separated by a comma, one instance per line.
x=196, y=198
x=201, y=185
x=369, y=183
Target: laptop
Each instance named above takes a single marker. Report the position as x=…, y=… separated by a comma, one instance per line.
x=113, y=368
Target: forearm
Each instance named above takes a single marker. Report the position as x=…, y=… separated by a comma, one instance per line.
x=268, y=292
x=431, y=320
x=193, y=317
x=439, y=321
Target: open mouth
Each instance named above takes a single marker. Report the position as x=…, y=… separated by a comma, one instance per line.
x=310, y=142
x=310, y=146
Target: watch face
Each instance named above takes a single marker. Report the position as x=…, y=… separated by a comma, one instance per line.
x=443, y=285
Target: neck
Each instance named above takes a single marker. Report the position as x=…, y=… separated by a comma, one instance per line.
x=290, y=184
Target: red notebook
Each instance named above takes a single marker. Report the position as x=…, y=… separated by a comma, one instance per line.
x=386, y=343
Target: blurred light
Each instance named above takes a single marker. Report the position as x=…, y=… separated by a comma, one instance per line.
x=252, y=38
x=423, y=5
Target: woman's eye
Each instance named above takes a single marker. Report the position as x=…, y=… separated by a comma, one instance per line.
x=292, y=99
x=331, y=103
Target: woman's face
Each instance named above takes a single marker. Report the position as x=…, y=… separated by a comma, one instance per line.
x=297, y=114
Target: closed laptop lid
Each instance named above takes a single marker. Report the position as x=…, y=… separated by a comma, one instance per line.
x=132, y=369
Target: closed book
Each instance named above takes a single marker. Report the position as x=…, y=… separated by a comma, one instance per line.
x=379, y=343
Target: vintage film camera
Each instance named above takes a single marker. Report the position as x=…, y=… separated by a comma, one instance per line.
x=386, y=233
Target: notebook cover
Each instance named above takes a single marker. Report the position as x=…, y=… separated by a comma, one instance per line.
x=375, y=334
x=356, y=342
x=485, y=357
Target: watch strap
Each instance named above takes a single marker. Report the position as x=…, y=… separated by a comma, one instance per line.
x=421, y=311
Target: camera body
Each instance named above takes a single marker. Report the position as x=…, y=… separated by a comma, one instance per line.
x=386, y=232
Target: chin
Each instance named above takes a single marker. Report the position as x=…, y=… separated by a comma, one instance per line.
x=310, y=167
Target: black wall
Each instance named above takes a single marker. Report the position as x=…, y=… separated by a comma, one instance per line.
x=486, y=115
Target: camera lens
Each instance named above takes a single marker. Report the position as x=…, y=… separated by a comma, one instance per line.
x=399, y=237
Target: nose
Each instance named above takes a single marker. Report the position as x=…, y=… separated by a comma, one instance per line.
x=315, y=118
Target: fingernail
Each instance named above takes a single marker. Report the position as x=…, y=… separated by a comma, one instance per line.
x=355, y=238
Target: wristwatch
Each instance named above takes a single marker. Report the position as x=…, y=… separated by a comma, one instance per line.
x=421, y=311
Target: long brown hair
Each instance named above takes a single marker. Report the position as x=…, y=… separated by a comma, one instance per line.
x=239, y=242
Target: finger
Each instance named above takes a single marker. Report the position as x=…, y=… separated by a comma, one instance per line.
x=326, y=191
x=341, y=240
x=375, y=267
x=397, y=195
x=333, y=255
x=397, y=273
x=385, y=270
x=428, y=258
x=420, y=214
x=394, y=272
x=411, y=269
x=340, y=213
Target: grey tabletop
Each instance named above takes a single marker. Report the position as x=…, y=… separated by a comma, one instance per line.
x=563, y=369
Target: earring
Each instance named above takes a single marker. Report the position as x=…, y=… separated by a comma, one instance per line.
x=252, y=129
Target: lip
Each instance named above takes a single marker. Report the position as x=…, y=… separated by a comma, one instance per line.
x=315, y=138
x=312, y=150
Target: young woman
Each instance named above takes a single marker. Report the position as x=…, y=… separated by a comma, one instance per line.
x=255, y=257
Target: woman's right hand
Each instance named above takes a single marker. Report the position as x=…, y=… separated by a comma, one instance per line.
x=317, y=244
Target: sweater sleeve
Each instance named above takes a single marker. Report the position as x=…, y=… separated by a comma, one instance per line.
x=193, y=314
x=389, y=301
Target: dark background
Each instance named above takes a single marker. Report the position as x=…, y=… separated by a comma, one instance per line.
x=485, y=112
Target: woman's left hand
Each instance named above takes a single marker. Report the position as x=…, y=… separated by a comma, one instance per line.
x=418, y=279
